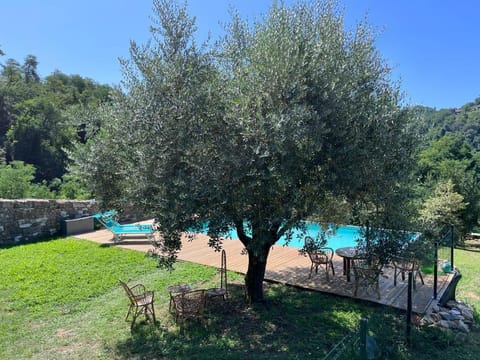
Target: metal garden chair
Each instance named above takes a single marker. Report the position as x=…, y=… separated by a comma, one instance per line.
x=141, y=302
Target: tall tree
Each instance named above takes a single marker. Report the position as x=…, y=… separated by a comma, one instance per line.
x=30, y=69
x=260, y=133
x=451, y=158
x=443, y=208
x=37, y=121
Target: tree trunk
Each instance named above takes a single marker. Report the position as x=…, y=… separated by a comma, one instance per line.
x=257, y=263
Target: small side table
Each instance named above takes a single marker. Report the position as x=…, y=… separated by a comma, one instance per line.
x=175, y=290
x=348, y=254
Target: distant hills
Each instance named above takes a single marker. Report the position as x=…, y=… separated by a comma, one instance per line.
x=463, y=121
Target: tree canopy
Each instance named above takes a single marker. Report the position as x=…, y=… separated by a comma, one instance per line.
x=38, y=121
x=258, y=132
x=451, y=159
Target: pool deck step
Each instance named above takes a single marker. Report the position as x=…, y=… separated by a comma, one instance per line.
x=286, y=265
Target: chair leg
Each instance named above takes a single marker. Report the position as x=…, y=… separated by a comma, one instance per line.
x=421, y=277
x=135, y=315
x=153, y=313
x=128, y=312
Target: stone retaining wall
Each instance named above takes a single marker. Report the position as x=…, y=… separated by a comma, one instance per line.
x=455, y=316
x=30, y=219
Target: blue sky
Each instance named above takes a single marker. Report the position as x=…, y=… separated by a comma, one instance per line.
x=432, y=45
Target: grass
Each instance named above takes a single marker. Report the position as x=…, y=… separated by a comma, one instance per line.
x=468, y=262
x=61, y=300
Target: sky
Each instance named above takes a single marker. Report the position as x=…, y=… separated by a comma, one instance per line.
x=433, y=46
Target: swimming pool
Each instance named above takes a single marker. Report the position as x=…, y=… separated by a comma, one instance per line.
x=344, y=235
x=341, y=236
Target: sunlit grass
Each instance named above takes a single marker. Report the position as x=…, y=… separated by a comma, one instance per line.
x=61, y=300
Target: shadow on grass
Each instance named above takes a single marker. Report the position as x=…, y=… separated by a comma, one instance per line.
x=10, y=245
x=132, y=241
x=293, y=324
x=472, y=245
x=471, y=248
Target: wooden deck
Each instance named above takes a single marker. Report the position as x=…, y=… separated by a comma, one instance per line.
x=285, y=265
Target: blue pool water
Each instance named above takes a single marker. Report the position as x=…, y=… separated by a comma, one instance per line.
x=341, y=236
x=344, y=235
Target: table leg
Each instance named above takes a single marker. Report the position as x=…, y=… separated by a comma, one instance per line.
x=348, y=268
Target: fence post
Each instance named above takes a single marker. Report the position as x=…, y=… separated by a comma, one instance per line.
x=363, y=338
x=452, y=245
x=409, y=306
x=435, y=271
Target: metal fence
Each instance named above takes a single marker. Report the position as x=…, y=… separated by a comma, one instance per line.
x=444, y=256
x=352, y=346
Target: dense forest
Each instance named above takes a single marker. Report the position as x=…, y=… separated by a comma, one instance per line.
x=44, y=122
x=40, y=122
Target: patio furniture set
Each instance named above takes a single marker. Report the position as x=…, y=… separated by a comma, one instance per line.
x=185, y=302
x=366, y=271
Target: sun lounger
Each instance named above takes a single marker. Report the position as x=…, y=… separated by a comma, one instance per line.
x=108, y=220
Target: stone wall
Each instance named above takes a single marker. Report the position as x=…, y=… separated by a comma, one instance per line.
x=30, y=219
x=455, y=315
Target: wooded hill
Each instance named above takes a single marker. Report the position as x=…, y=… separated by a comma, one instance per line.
x=463, y=121
x=43, y=120
x=39, y=123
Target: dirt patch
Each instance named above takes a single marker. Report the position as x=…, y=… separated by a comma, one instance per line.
x=61, y=333
x=472, y=295
x=471, y=244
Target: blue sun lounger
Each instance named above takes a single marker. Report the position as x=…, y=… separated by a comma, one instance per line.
x=108, y=220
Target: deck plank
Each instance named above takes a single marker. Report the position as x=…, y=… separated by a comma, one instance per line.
x=286, y=265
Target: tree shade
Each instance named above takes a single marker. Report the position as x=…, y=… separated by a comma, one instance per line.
x=257, y=132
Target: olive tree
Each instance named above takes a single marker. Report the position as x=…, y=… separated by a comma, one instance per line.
x=260, y=131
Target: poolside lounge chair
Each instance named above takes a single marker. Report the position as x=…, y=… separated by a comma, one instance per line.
x=108, y=220
x=141, y=301
x=322, y=256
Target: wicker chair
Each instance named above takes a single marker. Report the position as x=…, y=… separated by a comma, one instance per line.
x=367, y=274
x=141, y=301
x=189, y=304
x=319, y=257
x=222, y=290
x=405, y=265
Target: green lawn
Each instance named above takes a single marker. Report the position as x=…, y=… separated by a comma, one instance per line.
x=468, y=262
x=61, y=300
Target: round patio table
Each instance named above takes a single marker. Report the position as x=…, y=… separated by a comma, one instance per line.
x=347, y=253
x=175, y=290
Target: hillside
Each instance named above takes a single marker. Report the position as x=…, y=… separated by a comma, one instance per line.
x=463, y=121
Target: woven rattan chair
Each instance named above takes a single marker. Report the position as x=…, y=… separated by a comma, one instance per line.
x=141, y=301
x=222, y=290
x=322, y=257
x=367, y=275
x=189, y=304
